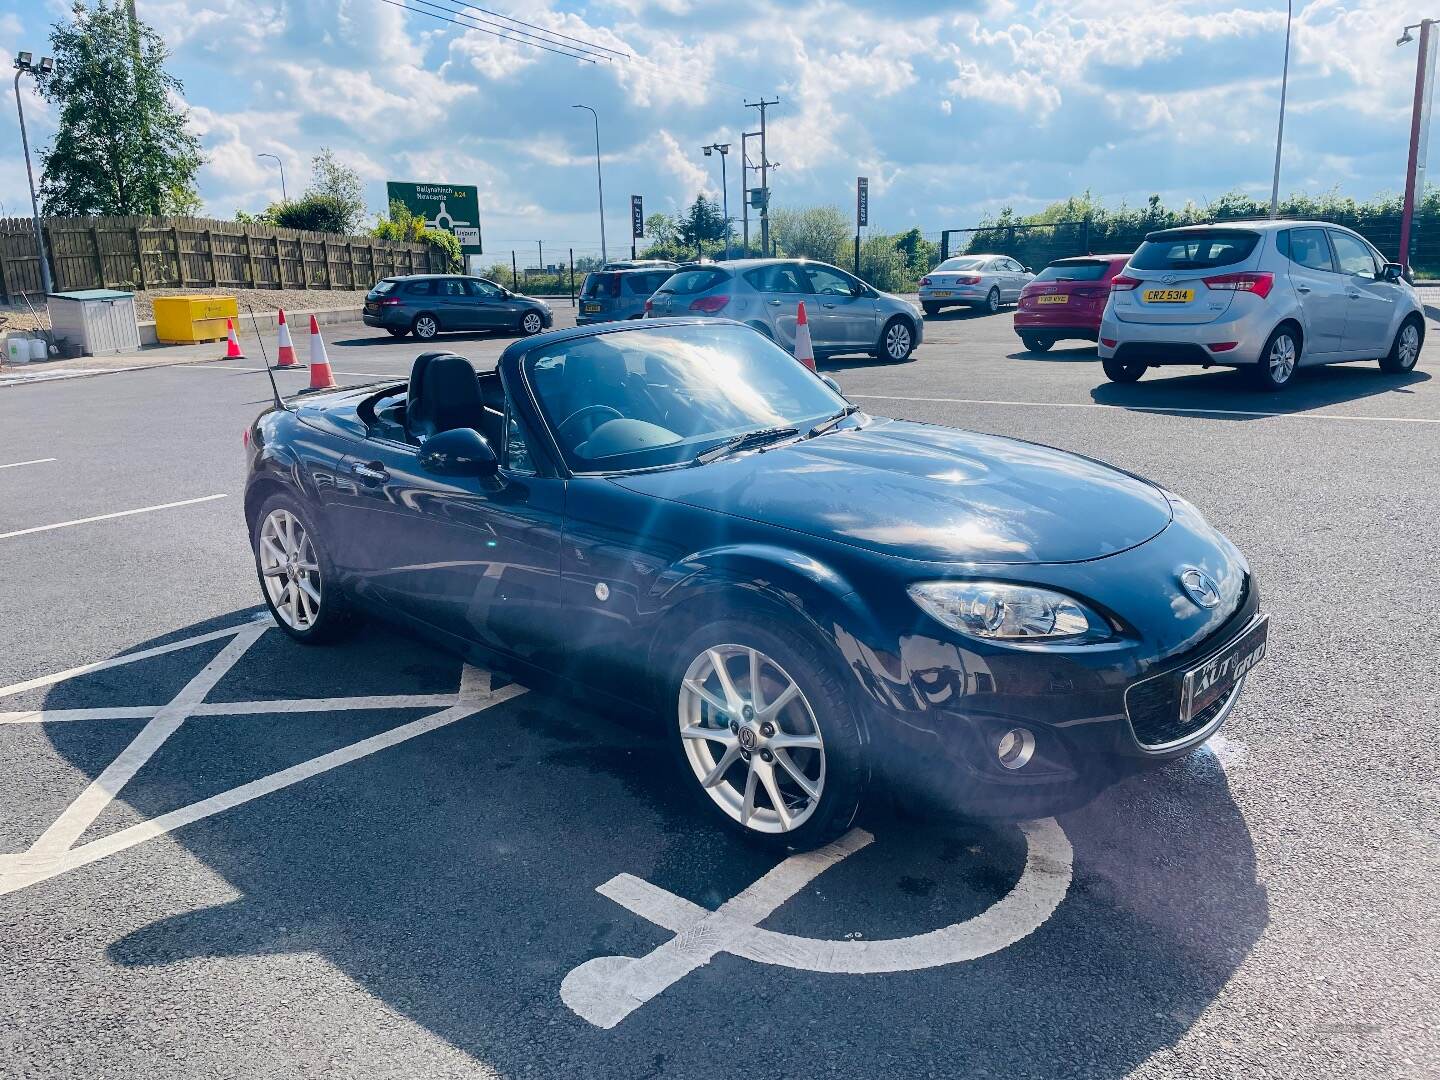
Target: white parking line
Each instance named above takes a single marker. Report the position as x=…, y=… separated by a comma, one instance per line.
x=1152, y=408
x=33, y=461
x=107, y=517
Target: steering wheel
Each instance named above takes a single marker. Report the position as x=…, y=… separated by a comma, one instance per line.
x=586, y=413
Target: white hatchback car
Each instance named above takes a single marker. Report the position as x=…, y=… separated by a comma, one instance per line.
x=1268, y=296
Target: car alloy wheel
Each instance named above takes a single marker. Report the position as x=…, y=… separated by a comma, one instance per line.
x=751, y=738
x=898, y=341
x=426, y=327
x=532, y=323
x=1281, y=359
x=290, y=569
x=1405, y=352
x=992, y=302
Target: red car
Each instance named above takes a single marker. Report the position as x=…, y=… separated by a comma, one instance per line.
x=1066, y=300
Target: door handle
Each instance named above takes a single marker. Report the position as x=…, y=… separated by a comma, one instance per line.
x=1302, y=288
x=373, y=471
x=1354, y=294
x=827, y=305
x=776, y=303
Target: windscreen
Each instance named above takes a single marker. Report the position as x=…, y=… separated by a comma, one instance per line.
x=1073, y=271
x=658, y=396
x=1200, y=249
x=689, y=282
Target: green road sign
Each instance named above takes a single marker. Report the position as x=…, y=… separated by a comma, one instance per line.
x=452, y=207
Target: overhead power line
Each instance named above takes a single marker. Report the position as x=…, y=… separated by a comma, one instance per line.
x=462, y=4
x=510, y=34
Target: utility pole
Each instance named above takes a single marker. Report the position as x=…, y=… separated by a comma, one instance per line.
x=745, y=170
x=25, y=65
x=765, y=164
x=1419, y=121
x=1280, y=127
x=540, y=244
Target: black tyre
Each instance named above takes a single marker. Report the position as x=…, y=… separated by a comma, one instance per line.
x=992, y=302
x=1405, y=352
x=1278, y=360
x=930, y=307
x=1036, y=344
x=425, y=326
x=1121, y=371
x=897, y=341
x=297, y=579
x=785, y=765
x=393, y=332
x=531, y=323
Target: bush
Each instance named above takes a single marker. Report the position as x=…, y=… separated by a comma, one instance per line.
x=314, y=213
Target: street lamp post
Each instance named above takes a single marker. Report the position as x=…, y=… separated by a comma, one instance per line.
x=1419, y=117
x=724, y=149
x=599, y=181
x=284, y=195
x=1280, y=127
x=25, y=65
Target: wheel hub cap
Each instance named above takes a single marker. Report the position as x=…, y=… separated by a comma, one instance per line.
x=289, y=569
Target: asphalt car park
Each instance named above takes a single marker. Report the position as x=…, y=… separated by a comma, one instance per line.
x=232, y=855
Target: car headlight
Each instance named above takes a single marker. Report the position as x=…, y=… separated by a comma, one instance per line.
x=998, y=611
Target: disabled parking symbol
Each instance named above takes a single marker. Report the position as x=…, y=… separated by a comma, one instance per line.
x=607, y=989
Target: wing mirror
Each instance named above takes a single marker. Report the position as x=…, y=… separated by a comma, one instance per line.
x=459, y=452
x=1392, y=271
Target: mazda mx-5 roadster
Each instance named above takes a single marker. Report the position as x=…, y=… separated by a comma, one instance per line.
x=817, y=603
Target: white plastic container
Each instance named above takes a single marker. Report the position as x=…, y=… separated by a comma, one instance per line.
x=39, y=349
x=17, y=349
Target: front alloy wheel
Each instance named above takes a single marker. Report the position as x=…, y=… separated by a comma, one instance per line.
x=752, y=739
x=531, y=323
x=1405, y=352
x=290, y=570
x=899, y=341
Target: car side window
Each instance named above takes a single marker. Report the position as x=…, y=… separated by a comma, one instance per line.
x=452, y=287
x=827, y=282
x=515, y=457
x=777, y=278
x=1354, y=257
x=1309, y=248
x=484, y=290
x=421, y=288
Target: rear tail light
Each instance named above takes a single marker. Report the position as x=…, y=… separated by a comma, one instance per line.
x=1109, y=342
x=1121, y=283
x=649, y=306
x=245, y=438
x=709, y=304
x=391, y=302
x=1259, y=284
x=972, y=279
x=1221, y=346
x=924, y=281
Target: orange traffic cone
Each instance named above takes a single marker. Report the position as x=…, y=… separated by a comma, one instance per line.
x=321, y=377
x=232, y=343
x=804, y=347
x=286, y=356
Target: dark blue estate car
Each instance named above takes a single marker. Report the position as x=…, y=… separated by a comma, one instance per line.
x=429, y=304
x=814, y=600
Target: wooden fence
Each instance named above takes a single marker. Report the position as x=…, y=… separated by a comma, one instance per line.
x=151, y=253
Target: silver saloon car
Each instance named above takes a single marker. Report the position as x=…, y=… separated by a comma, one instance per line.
x=977, y=281
x=1264, y=296
x=844, y=313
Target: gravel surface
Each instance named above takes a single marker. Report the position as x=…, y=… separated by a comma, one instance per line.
x=1263, y=910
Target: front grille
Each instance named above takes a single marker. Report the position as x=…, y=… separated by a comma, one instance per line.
x=1154, y=710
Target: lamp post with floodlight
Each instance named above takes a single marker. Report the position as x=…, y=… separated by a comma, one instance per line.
x=1280, y=127
x=284, y=195
x=599, y=182
x=25, y=65
x=724, y=150
x=1419, y=119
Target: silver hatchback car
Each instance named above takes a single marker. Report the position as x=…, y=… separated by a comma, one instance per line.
x=1266, y=296
x=844, y=313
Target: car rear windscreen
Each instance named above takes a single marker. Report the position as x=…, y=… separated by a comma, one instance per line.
x=967, y=263
x=689, y=282
x=1073, y=271
x=382, y=287
x=1194, y=249
x=601, y=284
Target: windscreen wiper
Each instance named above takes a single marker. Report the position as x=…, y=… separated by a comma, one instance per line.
x=829, y=425
x=744, y=442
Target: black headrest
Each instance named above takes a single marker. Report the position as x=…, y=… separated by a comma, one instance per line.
x=444, y=394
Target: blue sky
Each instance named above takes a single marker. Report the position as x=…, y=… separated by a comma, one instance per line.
x=951, y=109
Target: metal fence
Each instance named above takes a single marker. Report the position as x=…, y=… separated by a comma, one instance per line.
x=149, y=252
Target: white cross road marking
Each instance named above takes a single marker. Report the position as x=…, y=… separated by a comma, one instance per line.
x=55, y=852
x=607, y=989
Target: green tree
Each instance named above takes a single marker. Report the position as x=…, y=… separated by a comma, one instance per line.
x=817, y=232
x=334, y=181
x=701, y=227
x=123, y=144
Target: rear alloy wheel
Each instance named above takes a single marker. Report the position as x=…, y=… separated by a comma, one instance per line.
x=1278, y=360
x=425, y=327
x=294, y=573
x=1037, y=344
x=1405, y=353
x=531, y=323
x=766, y=736
x=992, y=302
x=897, y=342
x=1121, y=371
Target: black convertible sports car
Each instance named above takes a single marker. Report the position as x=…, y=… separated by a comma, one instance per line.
x=813, y=599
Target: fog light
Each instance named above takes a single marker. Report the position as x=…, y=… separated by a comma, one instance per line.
x=1016, y=748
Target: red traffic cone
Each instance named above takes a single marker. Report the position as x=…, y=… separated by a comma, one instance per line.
x=321, y=377
x=286, y=356
x=804, y=347
x=232, y=343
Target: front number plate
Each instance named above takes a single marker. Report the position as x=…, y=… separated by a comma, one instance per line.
x=1215, y=678
x=1168, y=296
